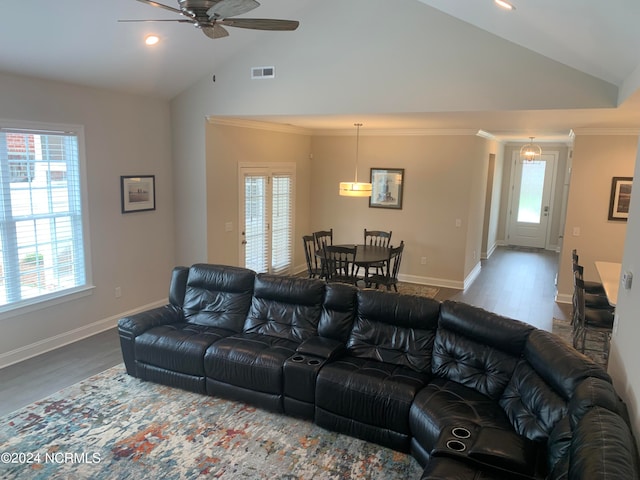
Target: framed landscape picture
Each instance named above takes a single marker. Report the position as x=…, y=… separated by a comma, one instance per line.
x=138, y=193
x=620, y=198
x=387, y=185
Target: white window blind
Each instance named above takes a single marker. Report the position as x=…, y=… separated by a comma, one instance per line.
x=256, y=244
x=267, y=236
x=282, y=228
x=41, y=232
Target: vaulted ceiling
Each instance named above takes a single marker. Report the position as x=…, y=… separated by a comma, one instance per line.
x=82, y=42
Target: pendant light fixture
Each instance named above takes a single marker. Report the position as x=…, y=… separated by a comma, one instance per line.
x=355, y=188
x=530, y=152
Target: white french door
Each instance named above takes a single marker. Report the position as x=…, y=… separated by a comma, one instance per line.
x=266, y=218
x=532, y=184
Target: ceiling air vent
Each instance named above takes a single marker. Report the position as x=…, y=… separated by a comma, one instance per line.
x=263, y=72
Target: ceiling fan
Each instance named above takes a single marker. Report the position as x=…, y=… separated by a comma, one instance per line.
x=211, y=16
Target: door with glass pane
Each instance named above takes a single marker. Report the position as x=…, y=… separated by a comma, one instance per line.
x=531, y=201
x=266, y=218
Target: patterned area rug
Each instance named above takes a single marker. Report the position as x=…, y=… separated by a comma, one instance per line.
x=115, y=426
x=594, y=344
x=415, y=289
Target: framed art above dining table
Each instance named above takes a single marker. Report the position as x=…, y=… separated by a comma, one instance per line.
x=387, y=188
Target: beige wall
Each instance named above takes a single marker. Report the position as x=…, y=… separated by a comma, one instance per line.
x=596, y=159
x=625, y=354
x=124, y=135
x=445, y=180
x=229, y=145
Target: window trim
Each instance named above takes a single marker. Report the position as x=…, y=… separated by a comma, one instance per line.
x=54, y=298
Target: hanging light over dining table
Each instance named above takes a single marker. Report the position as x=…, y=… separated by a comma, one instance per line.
x=355, y=188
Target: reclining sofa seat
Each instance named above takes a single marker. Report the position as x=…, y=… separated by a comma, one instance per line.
x=503, y=378
x=368, y=391
x=248, y=366
x=167, y=344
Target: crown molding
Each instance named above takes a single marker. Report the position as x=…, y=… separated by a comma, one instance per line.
x=606, y=131
x=269, y=126
x=373, y=132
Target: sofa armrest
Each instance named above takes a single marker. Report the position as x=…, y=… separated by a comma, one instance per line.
x=134, y=325
x=326, y=348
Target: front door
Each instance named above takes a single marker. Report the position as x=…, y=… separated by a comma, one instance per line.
x=530, y=210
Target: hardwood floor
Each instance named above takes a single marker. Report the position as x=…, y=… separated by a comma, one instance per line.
x=513, y=282
x=29, y=381
x=518, y=283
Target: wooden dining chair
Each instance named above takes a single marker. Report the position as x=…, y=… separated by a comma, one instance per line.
x=314, y=268
x=379, y=238
x=339, y=264
x=322, y=238
x=391, y=269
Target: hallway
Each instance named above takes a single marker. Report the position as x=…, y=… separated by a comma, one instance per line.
x=517, y=283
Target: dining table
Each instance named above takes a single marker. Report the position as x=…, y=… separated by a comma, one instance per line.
x=366, y=255
x=610, y=277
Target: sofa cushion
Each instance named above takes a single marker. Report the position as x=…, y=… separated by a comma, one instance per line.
x=249, y=360
x=444, y=468
x=477, y=348
x=218, y=296
x=532, y=406
x=602, y=447
x=285, y=307
x=558, y=364
x=445, y=403
x=338, y=311
x=395, y=329
x=179, y=347
x=371, y=392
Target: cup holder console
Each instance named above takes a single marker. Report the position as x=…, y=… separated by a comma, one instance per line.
x=456, y=445
x=460, y=432
x=309, y=361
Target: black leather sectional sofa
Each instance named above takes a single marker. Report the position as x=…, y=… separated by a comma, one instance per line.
x=471, y=394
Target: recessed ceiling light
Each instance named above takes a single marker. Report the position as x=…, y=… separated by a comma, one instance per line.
x=505, y=4
x=151, y=40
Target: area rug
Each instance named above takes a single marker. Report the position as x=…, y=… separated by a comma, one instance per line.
x=416, y=289
x=117, y=427
x=594, y=346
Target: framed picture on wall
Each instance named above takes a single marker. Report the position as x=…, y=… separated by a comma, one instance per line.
x=387, y=185
x=138, y=193
x=620, y=198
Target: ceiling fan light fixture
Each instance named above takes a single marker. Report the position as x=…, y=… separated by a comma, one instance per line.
x=151, y=40
x=356, y=188
x=504, y=4
x=530, y=152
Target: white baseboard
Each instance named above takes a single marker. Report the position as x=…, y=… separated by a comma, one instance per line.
x=473, y=274
x=564, y=298
x=436, y=282
x=62, y=339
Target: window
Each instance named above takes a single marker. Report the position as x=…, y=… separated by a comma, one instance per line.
x=41, y=224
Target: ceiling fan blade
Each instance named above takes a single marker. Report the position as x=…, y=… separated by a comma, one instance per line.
x=261, y=23
x=160, y=5
x=215, y=31
x=180, y=20
x=231, y=8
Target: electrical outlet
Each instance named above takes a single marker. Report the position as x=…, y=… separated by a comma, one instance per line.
x=117, y=292
x=576, y=231
x=423, y=261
